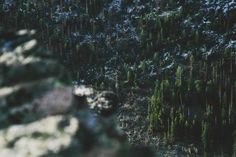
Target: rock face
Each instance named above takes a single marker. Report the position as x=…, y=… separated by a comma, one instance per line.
x=42, y=116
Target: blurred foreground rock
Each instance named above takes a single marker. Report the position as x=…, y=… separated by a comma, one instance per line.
x=27, y=73
x=42, y=116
